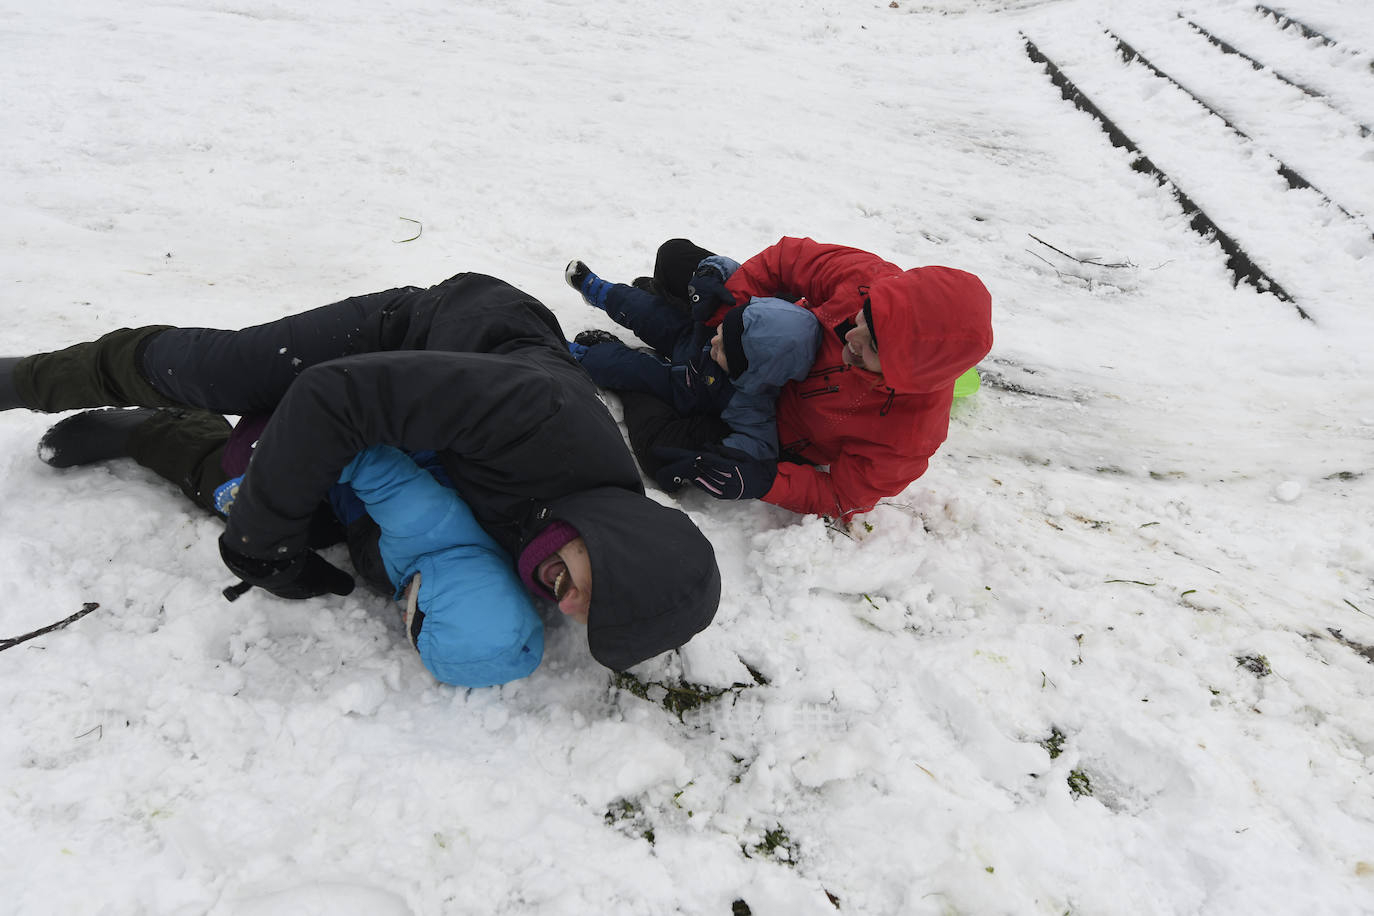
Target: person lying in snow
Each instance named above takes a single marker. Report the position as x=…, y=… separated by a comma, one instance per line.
x=874, y=405
x=409, y=536
x=757, y=348
x=472, y=369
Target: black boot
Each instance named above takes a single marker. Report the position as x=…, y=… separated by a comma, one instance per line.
x=9, y=395
x=593, y=336
x=91, y=436
x=575, y=273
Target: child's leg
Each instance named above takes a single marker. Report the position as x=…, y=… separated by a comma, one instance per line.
x=618, y=368
x=652, y=422
x=651, y=317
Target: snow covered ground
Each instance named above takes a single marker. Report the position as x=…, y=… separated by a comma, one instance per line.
x=1107, y=656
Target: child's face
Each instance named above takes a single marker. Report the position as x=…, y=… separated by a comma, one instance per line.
x=718, y=350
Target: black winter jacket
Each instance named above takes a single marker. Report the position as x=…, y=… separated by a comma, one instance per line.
x=479, y=371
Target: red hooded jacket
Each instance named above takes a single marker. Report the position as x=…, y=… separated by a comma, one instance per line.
x=876, y=433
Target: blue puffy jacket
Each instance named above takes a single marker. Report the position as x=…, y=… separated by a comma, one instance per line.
x=480, y=626
x=780, y=341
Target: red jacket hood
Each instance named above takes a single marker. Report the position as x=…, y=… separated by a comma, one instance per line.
x=932, y=324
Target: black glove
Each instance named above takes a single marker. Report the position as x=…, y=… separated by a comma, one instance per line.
x=302, y=575
x=706, y=291
x=678, y=465
x=725, y=473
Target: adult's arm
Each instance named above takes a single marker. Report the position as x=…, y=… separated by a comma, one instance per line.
x=853, y=484
x=753, y=421
x=485, y=408
x=804, y=268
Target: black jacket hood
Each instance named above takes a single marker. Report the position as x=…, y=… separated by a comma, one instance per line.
x=655, y=583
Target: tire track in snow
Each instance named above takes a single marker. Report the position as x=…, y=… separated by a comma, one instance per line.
x=1295, y=181
x=1241, y=266
x=1288, y=22
x=1259, y=66
x=1311, y=64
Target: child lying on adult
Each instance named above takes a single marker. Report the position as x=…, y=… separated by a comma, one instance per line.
x=873, y=407
x=737, y=375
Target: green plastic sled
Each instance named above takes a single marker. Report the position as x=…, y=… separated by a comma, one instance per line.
x=967, y=383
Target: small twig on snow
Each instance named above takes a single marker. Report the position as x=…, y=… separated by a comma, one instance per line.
x=418, y=232
x=85, y=609
x=1093, y=262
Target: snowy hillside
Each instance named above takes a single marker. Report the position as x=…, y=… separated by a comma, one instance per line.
x=1110, y=655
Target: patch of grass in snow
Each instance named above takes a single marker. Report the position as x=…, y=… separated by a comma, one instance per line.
x=676, y=698
x=1054, y=744
x=1080, y=784
x=776, y=845
x=629, y=818
x=1257, y=665
x=682, y=696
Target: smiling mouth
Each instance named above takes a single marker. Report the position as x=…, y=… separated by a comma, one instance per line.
x=556, y=578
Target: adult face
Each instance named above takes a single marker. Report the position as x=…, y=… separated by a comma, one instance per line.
x=858, y=347
x=568, y=575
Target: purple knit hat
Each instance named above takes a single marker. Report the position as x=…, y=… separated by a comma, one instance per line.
x=543, y=546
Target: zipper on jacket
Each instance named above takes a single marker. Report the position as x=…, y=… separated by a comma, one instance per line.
x=817, y=392
x=887, y=405
x=826, y=370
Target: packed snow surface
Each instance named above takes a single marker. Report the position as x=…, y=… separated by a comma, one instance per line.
x=1109, y=655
